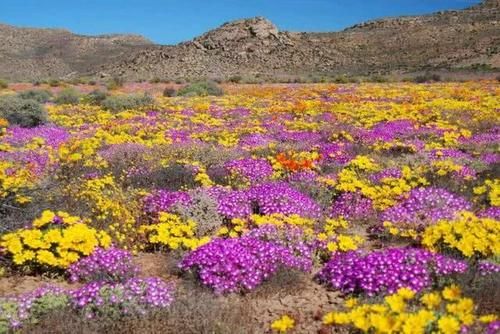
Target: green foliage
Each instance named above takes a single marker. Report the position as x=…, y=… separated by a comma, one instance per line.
x=3, y=84
x=235, y=79
x=169, y=92
x=68, y=96
x=118, y=103
x=48, y=303
x=427, y=77
x=95, y=97
x=10, y=310
x=25, y=113
x=115, y=83
x=201, y=88
x=54, y=83
x=38, y=95
x=377, y=78
x=203, y=210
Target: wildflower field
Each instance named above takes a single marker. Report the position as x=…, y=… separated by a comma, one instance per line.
x=267, y=209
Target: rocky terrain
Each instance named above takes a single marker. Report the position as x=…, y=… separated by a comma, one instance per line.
x=255, y=47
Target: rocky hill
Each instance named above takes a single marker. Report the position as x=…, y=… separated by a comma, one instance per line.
x=27, y=53
x=255, y=47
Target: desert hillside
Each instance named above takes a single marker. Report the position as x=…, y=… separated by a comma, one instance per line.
x=445, y=40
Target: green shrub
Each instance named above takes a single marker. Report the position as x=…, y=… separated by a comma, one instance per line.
x=95, y=97
x=39, y=95
x=169, y=92
x=201, y=88
x=115, y=83
x=22, y=112
x=3, y=84
x=123, y=102
x=427, y=77
x=235, y=79
x=68, y=96
x=342, y=79
x=378, y=79
x=54, y=83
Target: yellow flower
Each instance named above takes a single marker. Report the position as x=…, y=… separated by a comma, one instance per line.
x=283, y=324
x=451, y=292
x=351, y=302
x=406, y=293
x=448, y=325
x=396, y=303
x=431, y=300
x=488, y=318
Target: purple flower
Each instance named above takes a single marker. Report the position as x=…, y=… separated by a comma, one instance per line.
x=164, y=201
x=134, y=296
x=425, y=206
x=280, y=197
x=384, y=272
x=339, y=152
x=253, y=170
x=108, y=265
x=240, y=264
x=353, y=207
x=491, y=212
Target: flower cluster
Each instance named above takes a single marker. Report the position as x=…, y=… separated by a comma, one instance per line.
x=405, y=312
x=54, y=241
x=28, y=308
x=332, y=240
x=172, y=232
x=353, y=207
x=279, y=197
x=251, y=170
x=388, y=270
x=423, y=207
x=164, y=201
x=466, y=234
x=108, y=265
x=283, y=324
x=238, y=264
x=134, y=296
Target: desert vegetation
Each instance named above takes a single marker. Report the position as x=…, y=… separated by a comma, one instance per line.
x=199, y=207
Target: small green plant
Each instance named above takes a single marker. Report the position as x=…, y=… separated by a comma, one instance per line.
x=235, y=79
x=68, y=96
x=169, y=92
x=54, y=83
x=118, y=103
x=115, y=83
x=343, y=79
x=427, y=77
x=378, y=78
x=201, y=88
x=38, y=95
x=95, y=97
x=3, y=84
x=23, y=112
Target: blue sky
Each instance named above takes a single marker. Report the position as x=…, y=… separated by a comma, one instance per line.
x=173, y=21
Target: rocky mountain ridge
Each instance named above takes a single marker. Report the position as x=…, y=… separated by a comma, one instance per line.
x=256, y=47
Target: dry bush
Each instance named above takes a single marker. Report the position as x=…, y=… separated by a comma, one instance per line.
x=194, y=311
x=203, y=210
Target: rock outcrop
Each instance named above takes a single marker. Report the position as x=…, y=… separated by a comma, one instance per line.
x=255, y=47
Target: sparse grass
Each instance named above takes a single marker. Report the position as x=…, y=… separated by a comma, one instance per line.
x=68, y=96
x=23, y=112
x=201, y=88
x=118, y=103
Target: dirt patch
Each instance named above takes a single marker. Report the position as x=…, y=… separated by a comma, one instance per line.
x=307, y=302
x=157, y=265
x=16, y=285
